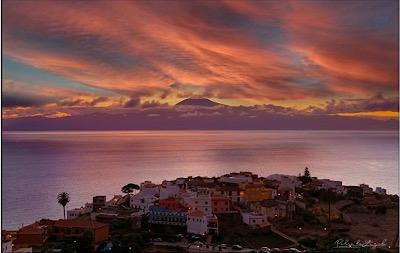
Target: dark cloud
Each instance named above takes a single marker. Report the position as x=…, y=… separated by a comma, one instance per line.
x=234, y=118
x=373, y=104
x=15, y=101
x=132, y=102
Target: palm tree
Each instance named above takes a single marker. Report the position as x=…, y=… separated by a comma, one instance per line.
x=63, y=199
x=130, y=188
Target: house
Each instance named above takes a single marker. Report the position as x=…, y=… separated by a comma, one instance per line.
x=170, y=189
x=6, y=246
x=76, y=228
x=200, y=223
x=34, y=235
x=171, y=203
x=230, y=191
x=98, y=202
x=76, y=212
x=164, y=216
x=354, y=192
x=199, y=201
x=327, y=184
x=111, y=215
x=285, y=182
x=256, y=192
x=143, y=201
x=238, y=178
x=273, y=209
x=150, y=188
x=221, y=205
x=254, y=219
x=366, y=189
x=380, y=190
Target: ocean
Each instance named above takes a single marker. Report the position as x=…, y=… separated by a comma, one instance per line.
x=39, y=165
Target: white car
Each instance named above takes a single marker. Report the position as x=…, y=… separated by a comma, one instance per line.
x=265, y=250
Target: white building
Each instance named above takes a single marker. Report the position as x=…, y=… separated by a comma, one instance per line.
x=6, y=246
x=271, y=209
x=169, y=189
x=143, y=201
x=149, y=188
x=198, y=201
x=286, y=182
x=380, y=190
x=254, y=219
x=328, y=184
x=200, y=223
x=149, y=193
x=76, y=212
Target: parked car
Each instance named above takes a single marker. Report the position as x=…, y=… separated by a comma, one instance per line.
x=294, y=250
x=265, y=250
x=291, y=250
x=237, y=247
x=275, y=250
x=157, y=240
x=223, y=246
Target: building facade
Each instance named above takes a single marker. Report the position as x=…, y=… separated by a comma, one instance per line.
x=164, y=216
x=200, y=223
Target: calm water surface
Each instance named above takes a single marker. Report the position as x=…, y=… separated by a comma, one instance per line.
x=38, y=165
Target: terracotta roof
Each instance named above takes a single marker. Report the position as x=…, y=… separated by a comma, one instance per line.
x=34, y=228
x=197, y=213
x=79, y=224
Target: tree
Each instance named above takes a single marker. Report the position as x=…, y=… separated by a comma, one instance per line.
x=330, y=197
x=307, y=172
x=129, y=188
x=306, y=178
x=63, y=199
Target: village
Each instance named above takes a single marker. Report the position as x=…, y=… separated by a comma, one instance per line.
x=236, y=212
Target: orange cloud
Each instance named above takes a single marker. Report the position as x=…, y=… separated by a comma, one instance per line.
x=249, y=52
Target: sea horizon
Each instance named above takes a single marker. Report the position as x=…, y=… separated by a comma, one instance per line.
x=87, y=163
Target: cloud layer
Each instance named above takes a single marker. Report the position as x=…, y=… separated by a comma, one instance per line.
x=315, y=56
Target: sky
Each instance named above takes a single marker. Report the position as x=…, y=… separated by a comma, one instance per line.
x=295, y=58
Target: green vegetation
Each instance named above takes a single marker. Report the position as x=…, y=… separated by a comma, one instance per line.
x=306, y=178
x=233, y=231
x=129, y=188
x=381, y=209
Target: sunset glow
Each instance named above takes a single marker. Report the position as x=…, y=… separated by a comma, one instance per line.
x=312, y=57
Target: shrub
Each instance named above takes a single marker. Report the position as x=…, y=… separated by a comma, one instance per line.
x=381, y=210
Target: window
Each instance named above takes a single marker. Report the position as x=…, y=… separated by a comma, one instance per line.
x=206, y=202
x=206, y=209
x=254, y=221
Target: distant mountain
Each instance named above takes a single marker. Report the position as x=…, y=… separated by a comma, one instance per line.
x=198, y=102
x=228, y=118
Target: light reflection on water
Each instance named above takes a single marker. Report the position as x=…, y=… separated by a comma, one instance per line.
x=38, y=165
